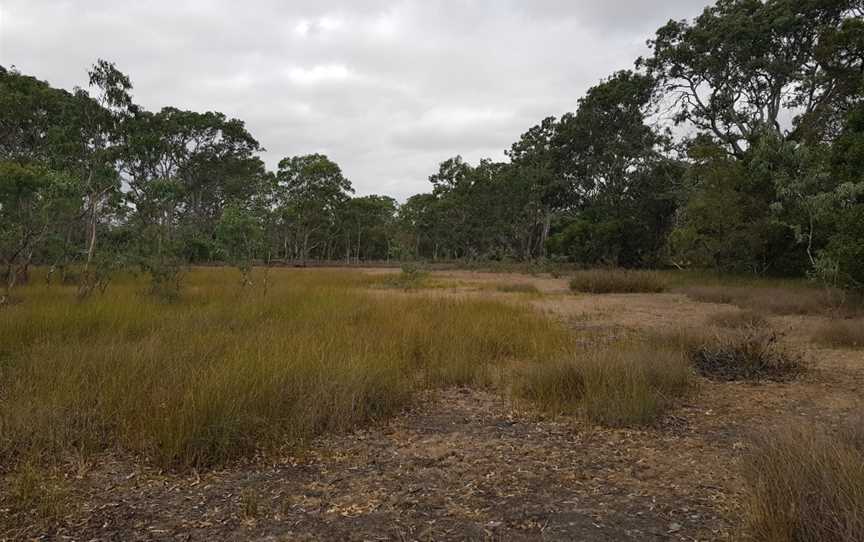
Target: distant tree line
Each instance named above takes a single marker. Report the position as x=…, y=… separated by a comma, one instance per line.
x=738, y=145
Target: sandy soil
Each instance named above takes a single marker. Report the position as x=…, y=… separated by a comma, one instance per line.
x=468, y=465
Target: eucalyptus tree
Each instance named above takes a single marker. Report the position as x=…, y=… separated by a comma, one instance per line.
x=744, y=66
x=34, y=203
x=310, y=192
x=619, y=174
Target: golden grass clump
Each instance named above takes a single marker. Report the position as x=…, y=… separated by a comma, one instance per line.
x=610, y=281
x=621, y=384
x=806, y=484
x=228, y=371
x=839, y=333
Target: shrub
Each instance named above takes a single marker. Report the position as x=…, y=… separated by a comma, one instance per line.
x=410, y=277
x=840, y=333
x=607, y=281
x=806, y=485
x=622, y=384
x=743, y=354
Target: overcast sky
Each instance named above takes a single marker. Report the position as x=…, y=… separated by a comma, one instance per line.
x=386, y=88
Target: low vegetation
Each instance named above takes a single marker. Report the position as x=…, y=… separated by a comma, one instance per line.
x=516, y=288
x=621, y=384
x=746, y=319
x=610, y=281
x=227, y=371
x=748, y=353
x=840, y=333
x=774, y=300
x=806, y=485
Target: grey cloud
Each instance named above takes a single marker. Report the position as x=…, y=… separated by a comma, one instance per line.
x=388, y=88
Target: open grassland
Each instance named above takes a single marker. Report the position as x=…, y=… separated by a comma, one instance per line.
x=228, y=370
x=398, y=402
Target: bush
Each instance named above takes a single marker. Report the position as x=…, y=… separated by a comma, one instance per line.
x=410, y=277
x=743, y=354
x=608, y=281
x=840, y=333
x=806, y=485
x=620, y=385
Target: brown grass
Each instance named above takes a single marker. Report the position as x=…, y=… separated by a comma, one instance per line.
x=773, y=300
x=516, y=288
x=623, y=384
x=738, y=320
x=806, y=485
x=608, y=281
x=840, y=333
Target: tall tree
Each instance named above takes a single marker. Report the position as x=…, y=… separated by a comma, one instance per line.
x=311, y=190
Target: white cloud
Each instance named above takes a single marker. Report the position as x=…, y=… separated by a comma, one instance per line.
x=388, y=88
x=319, y=74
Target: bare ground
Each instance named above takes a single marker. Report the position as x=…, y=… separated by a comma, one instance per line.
x=466, y=464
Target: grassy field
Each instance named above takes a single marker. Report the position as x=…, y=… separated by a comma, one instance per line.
x=227, y=370
x=226, y=373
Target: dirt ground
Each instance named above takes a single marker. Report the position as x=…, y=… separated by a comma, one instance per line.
x=465, y=464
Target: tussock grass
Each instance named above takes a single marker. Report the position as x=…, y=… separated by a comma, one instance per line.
x=227, y=371
x=807, y=485
x=840, y=333
x=608, y=281
x=738, y=320
x=748, y=353
x=622, y=384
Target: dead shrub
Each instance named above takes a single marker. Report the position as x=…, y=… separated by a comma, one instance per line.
x=751, y=353
x=805, y=484
x=608, y=281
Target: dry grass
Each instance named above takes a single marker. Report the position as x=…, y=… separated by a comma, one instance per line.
x=226, y=371
x=748, y=353
x=738, y=320
x=622, y=384
x=30, y=491
x=609, y=281
x=840, y=333
x=774, y=300
x=515, y=288
x=806, y=485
